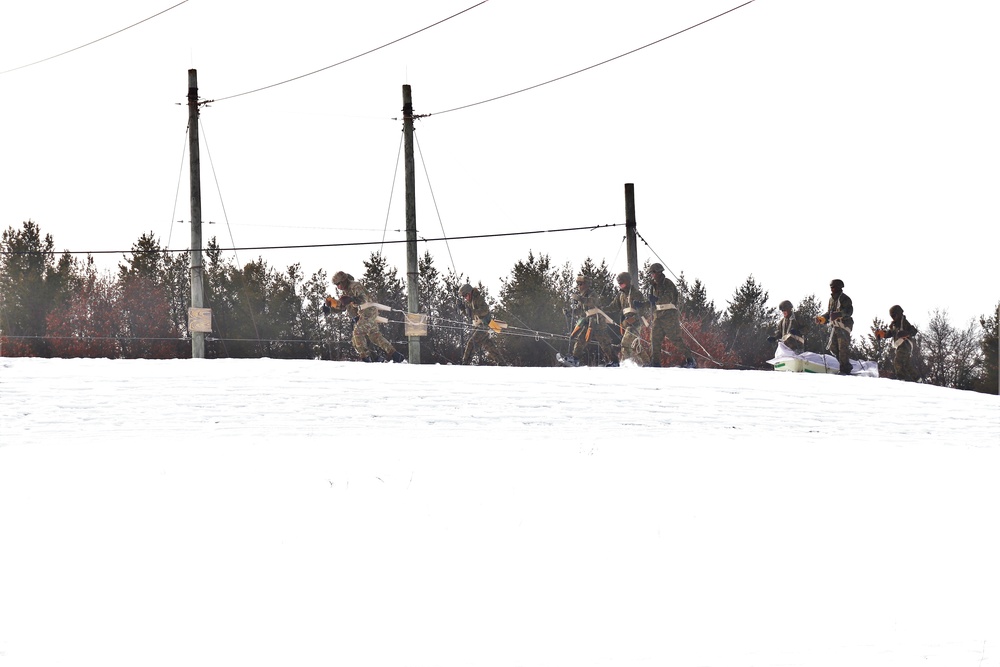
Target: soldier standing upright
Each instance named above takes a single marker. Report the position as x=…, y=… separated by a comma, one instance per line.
x=355, y=301
x=666, y=318
x=482, y=323
x=631, y=303
x=838, y=314
x=901, y=332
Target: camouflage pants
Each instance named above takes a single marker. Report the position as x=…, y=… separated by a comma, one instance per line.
x=840, y=347
x=668, y=325
x=481, y=338
x=596, y=332
x=634, y=348
x=901, y=362
x=366, y=329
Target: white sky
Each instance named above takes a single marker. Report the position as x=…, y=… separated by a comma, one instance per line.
x=795, y=141
x=266, y=512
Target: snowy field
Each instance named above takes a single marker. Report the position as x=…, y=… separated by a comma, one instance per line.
x=294, y=513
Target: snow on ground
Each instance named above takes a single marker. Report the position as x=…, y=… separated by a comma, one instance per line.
x=264, y=512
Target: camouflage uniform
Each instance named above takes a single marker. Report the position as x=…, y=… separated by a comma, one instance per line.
x=785, y=335
x=591, y=327
x=633, y=346
x=365, y=325
x=901, y=331
x=666, y=320
x=838, y=315
x=479, y=311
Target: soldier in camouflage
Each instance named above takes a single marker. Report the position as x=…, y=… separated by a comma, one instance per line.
x=666, y=318
x=838, y=314
x=789, y=331
x=355, y=301
x=482, y=324
x=631, y=303
x=901, y=332
x=591, y=325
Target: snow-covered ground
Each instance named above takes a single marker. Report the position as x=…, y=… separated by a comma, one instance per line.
x=265, y=512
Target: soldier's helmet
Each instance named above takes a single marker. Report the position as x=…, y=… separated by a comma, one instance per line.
x=837, y=283
x=785, y=305
x=582, y=280
x=465, y=289
x=624, y=277
x=340, y=277
x=895, y=311
x=656, y=267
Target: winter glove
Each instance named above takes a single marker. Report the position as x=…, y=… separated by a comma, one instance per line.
x=493, y=324
x=836, y=315
x=880, y=333
x=355, y=319
x=795, y=332
x=638, y=304
x=345, y=299
x=652, y=299
x=820, y=319
x=772, y=339
x=326, y=309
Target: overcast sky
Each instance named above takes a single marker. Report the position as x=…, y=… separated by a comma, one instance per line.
x=794, y=141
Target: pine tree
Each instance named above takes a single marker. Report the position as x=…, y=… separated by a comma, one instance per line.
x=747, y=321
x=988, y=379
x=530, y=299
x=806, y=312
x=384, y=286
x=32, y=284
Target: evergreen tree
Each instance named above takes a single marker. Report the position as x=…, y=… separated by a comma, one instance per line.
x=446, y=322
x=871, y=347
x=530, y=298
x=816, y=336
x=696, y=304
x=147, y=324
x=988, y=380
x=748, y=321
x=32, y=284
x=384, y=286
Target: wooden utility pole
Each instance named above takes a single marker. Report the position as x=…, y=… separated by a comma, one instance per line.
x=197, y=269
x=412, y=275
x=630, y=245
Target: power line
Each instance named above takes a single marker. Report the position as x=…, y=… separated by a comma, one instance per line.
x=323, y=69
x=96, y=40
x=317, y=245
x=603, y=62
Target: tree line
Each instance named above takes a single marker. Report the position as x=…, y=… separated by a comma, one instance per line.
x=54, y=305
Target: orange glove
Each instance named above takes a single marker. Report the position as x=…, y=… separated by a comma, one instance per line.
x=332, y=302
x=495, y=326
x=880, y=333
x=820, y=319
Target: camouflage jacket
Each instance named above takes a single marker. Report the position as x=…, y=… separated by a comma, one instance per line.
x=477, y=308
x=666, y=296
x=785, y=326
x=631, y=314
x=901, y=330
x=840, y=304
x=356, y=295
x=586, y=302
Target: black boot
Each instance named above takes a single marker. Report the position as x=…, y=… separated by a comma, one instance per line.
x=398, y=358
x=367, y=359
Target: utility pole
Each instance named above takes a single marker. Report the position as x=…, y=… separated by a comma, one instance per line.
x=197, y=269
x=630, y=245
x=412, y=275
